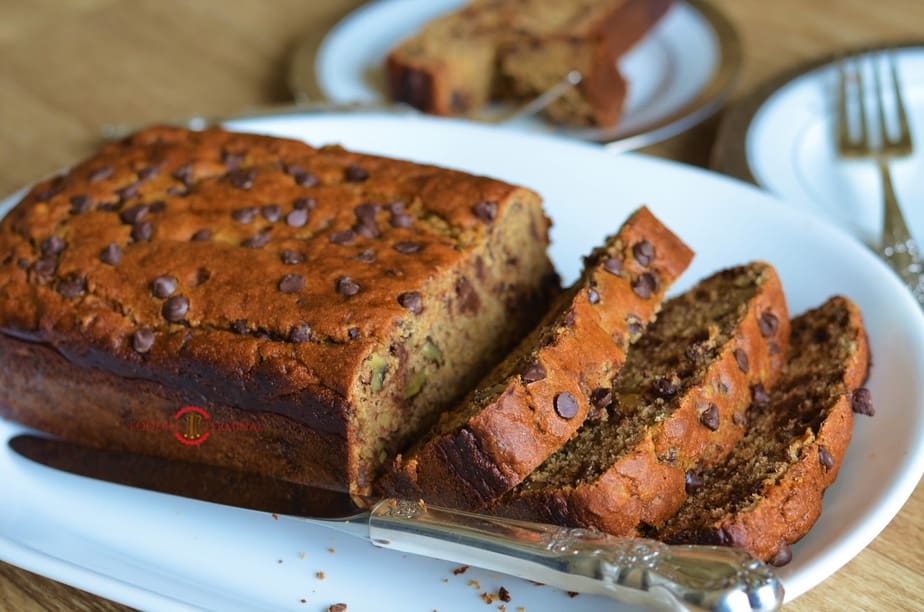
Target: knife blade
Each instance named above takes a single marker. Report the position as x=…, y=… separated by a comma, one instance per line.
x=631, y=570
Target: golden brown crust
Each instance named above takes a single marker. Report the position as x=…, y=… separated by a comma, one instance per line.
x=471, y=464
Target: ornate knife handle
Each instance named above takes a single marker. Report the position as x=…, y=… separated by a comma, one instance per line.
x=634, y=571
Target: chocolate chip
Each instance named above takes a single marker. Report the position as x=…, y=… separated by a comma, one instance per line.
x=46, y=194
x=768, y=324
x=53, y=245
x=694, y=480
x=129, y=192
x=241, y=178
x=271, y=212
x=782, y=556
x=401, y=220
x=343, y=237
x=300, y=333
x=486, y=211
x=643, y=252
x=355, y=174
x=143, y=340
x=396, y=207
x=742, y=360
x=353, y=333
x=244, y=215
x=202, y=235
x=408, y=248
x=304, y=204
x=534, y=372
x=107, y=207
x=613, y=265
x=761, y=397
x=291, y=283
x=157, y=207
x=862, y=402
x=645, y=285
x=45, y=268
x=665, y=388
x=134, y=214
x=740, y=419
x=239, y=326
x=230, y=160
x=71, y=286
x=633, y=326
x=183, y=174
x=367, y=229
x=112, y=254
x=291, y=258
x=601, y=398
x=297, y=218
x=305, y=179
x=147, y=173
x=773, y=348
x=100, y=174
x=347, y=286
x=503, y=594
x=175, y=308
x=163, y=286
x=570, y=318
x=257, y=241
x=825, y=458
x=366, y=256
x=177, y=191
x=142, y=232
x=566, y=405
x=367, y=211
x=592, y=296
x=80, y=204
x=710, y=417
x=412, y=301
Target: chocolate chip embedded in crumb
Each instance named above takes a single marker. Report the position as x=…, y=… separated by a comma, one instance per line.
x=411, y=300
x=292, y=283
x=143, y=340
x=566, y=405
x=271, y=212
x=366, y=211
x=304, y=204
x=592, y=296
x=862, y=402
x=408, y=248
x=134, y=214
x=157, y=207
x=147, y=173
x=533, y=372
x=175, y=308
x=45, y=268
x=768, y=324
x=300, y=333
x=291, y=258
x=257, y=242
x=356, y=174
x=297, y=218
x=503, y=594
x=401, y=220
x=613, y=265
x=244, y=215
x=71, y=286
x=664, y=388
x=305, y=179
x=202, y=235
x=367, y=229
x=782, y=556
x=694, y=480
x=344, y=237
x=643, y=252
x=53, y=245
x=353, y=333
x=366, y=256
x=601, y=398
x=239, y=326
x=129, y=192
x=710, y=417
x=825, y=458
x=142, y=232
x=241, y=178
x=100, y=174
x=741, y=358
x=80, y=204
x=761, y=397
x=163, y=286
x=112, y=254
x=486, y=211
x=347, y=286
x=645, y=285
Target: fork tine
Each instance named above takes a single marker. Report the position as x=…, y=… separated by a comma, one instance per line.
x=903, y=145
x=843, y=123
x=885, y=139
x=863, y=143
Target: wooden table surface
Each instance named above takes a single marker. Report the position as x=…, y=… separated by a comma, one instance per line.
x=68, y=67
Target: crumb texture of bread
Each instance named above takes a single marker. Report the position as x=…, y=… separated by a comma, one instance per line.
x=345, y=297
x=518, y=49
x=769, y=492
x=678, y=407
x=534, y=400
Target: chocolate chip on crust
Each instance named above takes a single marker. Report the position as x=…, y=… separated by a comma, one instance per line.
x=292, y=283
x=257, y=242
x=592, y=296
x=862, y=402
x=344, y=237
x=143, y=340
x=71, y=286
x=244, y=215
x=645, y=285
x=411, y=300
x=163, y=286
x=175, y=308
x=53, y=245
x=533, y=372
x=300, y=333
x=761, y=397
x=271, y=212
x=768, y=324
x=408, y=248
x=241, y=178
x=643, y=252
x=710, y=417
x=356, y=174
x=485, y=211
x=741, y=358
x=202, y=235
x=346, y=286
x=782, y=556
x=825, y=458
x=566, y=405
x=142, y=232
x=291, y=257
x=613, y=265
x=112, y=254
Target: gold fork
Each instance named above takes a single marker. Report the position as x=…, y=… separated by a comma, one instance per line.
x=896, y=245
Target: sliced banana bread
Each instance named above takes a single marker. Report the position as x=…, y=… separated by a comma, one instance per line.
x=537, y=398
x=768, y=494
x=678, y=404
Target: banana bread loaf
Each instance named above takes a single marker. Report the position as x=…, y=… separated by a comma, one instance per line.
x=318, y=306
x=518, y=49
x=537, y=398
x=678, y=406
x=769, y=493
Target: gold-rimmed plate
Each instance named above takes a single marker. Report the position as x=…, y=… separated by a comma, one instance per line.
x=679, y=75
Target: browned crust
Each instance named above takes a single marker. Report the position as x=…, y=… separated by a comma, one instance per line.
x=496, y=449
x=790, y=507
x=644, y=488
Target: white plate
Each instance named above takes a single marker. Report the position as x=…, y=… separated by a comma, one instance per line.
x=790, y=150
x=149, y=550
x=688, y=52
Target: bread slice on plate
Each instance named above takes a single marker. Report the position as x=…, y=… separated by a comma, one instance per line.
x=678, y=405
x=768, y=495
x=538, y=397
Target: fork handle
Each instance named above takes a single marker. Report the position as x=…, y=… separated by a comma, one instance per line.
x=898, y=248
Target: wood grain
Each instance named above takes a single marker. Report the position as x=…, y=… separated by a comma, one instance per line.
x=69, y=67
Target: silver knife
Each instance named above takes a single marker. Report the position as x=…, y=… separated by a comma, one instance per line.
x=631, y=570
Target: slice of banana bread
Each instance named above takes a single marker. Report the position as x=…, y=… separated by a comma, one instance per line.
x=515, y=49
x=537, y=398
x=678, y=405
x=769, y=493
x=320, y=306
